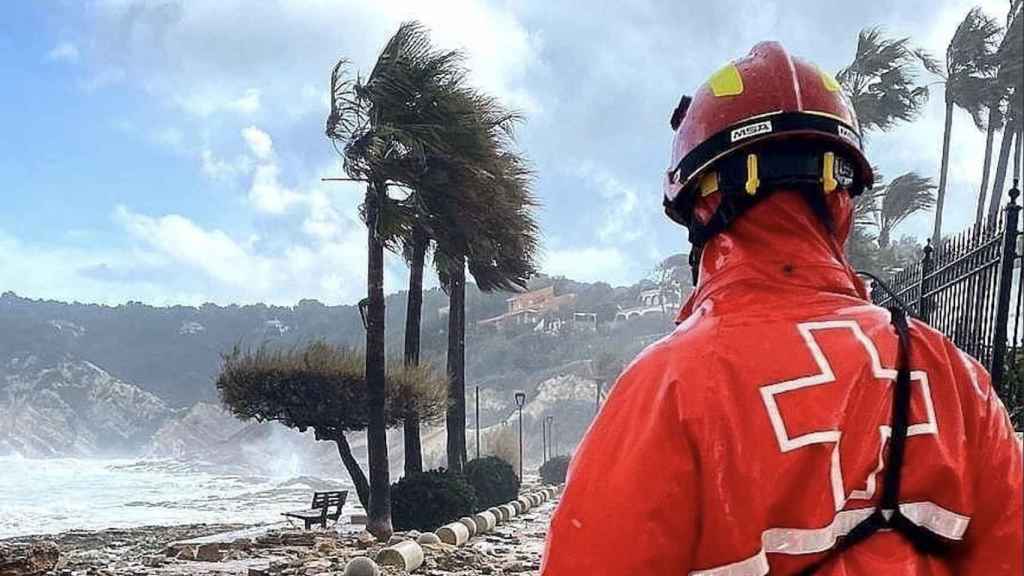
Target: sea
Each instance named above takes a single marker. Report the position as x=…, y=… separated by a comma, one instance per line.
x=46, y=496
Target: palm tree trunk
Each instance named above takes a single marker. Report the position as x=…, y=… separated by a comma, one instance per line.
x=456, y=418
x=941, y=194
x=413, y=313
x=1017, y=158
x=378, y=514
x=884, y=235
x=355, y=471
x=993, y=116
x=999, y=180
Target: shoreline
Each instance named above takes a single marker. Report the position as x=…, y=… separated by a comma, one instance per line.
x=274, y=549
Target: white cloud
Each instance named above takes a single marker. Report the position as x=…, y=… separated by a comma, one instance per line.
x=213, y=252
x=221, y=169
x=170, y=137
x=204, y=59
x=63, y=52
x=268, y=195
x=248, y=103
x=327, y=266
x=259, y=142
x=588, y=264
x=621, y=220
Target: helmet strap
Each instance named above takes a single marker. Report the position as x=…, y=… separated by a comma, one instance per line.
x=743, y=180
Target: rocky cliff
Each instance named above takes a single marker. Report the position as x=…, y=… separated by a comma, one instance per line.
x=72, y=407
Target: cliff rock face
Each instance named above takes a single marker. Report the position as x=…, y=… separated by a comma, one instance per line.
x=201, y=429
x=71, y=407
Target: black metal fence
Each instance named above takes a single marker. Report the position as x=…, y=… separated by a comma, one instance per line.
x=971, y=289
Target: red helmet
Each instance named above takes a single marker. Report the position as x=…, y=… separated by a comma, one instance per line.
x=768, y=96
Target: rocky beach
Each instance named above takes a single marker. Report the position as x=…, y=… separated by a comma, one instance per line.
x=512, y=547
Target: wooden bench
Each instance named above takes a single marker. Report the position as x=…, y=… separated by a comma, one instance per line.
x=321, y=509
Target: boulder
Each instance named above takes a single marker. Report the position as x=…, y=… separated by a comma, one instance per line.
x=28, y=559
x=209, y=553
x=406, y=555
x=325, y=546
x=524, y=502
x=364, y=539
x=518, y=507
x=361, y=566
x=455, y=533
x=430, y=539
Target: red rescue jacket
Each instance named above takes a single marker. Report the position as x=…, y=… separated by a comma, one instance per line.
x=753, y=436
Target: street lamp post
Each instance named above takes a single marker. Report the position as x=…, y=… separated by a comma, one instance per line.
x=544, y=439
x=553, y=448
x=520, y=401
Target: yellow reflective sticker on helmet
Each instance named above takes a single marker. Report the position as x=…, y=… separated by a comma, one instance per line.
x=753, y=182
x=828, y=177
x=727, y=81
x=830, y=83
x=709, y=184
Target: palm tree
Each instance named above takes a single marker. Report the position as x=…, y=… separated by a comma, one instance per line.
x=881, y=85
x=415, y=253
x=968, y=76
x=880, y=81
x=1010, y=87
x=494, y=235
x=904, y=196
x=386, y=124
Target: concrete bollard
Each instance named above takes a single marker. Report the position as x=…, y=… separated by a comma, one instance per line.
x=518, y=506
x=469, y=524
x=455, y=533
x=525, y=503
x=406, y=555
x=510, y=510
x=500, y=514
x=485, y=522
x=361, y=566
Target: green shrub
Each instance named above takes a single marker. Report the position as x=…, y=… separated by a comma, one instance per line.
x=431, y=499
x=494, y=481
x=554, y=470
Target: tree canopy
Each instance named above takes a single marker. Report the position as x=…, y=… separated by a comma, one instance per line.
x=323, y=387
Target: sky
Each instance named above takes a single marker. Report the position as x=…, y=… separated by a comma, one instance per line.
x=171, y=151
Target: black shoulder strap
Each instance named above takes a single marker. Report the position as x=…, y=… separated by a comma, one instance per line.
x=888, y=514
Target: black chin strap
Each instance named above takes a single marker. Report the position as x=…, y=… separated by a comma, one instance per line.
x=888, y=514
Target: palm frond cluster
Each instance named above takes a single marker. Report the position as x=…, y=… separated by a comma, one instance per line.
x=980, y=74
x=415, y=123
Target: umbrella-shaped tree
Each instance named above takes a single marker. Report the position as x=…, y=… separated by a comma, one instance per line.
x=323, y=388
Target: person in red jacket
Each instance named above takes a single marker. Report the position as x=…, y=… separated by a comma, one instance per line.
x=787, y=426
